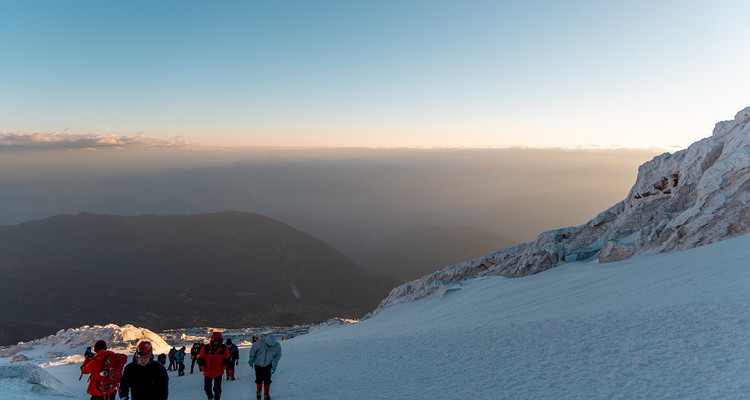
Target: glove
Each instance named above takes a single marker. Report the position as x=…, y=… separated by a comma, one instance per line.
x=237, y=362
x=273, y=370
x=251, y=362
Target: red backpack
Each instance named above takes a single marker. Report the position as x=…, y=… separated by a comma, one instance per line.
x=111, y=373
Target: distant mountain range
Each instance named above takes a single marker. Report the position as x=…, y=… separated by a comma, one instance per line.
x=349, y=198
x=227, y=269
x=424, y=249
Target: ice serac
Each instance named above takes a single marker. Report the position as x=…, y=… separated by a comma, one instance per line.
x=679, y=201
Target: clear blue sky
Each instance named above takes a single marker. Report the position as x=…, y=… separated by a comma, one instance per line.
x=376, y=73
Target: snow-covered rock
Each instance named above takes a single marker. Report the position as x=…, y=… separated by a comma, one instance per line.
x=68, y=345
x=679, y=201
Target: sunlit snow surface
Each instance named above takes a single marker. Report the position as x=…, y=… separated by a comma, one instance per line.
x=670, y=326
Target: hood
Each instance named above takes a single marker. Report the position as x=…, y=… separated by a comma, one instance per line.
x=271, y=340
x=217, y=335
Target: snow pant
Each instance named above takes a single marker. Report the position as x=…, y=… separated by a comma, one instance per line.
x=192, y=364
x=216, y=393
x=266, y=390
x=230, y=369
x=263, y=374
x=180, y=368
x=172, y=365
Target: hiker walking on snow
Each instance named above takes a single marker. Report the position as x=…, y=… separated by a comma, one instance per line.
x=172, y=362
x=234, y=359
x=213, y=360
x=194, y=351
x=264, y=358
x=180, y=358
x=144, y=379
x=95, y=366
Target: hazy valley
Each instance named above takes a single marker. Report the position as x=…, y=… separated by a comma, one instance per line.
x=397, y=213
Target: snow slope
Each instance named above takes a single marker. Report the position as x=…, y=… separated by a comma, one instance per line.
x=668, y=326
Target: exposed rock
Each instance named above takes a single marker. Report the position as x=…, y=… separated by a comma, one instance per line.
x=613, y=251
x=19, y=358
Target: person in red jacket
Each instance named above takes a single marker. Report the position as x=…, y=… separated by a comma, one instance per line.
x=213, y=360
x=94, y=366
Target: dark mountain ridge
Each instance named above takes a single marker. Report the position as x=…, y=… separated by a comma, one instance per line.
x=227, y=269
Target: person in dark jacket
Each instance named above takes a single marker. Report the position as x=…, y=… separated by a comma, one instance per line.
x=213, y=360
x=172, y=359
x=144, y=379
x=264, y=358
x=234, y=359
x=180, y=358
x=194, y=351
x=162, y=359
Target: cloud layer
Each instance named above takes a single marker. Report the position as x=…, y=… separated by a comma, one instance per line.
x=58, y=140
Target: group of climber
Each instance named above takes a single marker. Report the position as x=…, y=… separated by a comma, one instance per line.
x=146, y=379
x=176, y=360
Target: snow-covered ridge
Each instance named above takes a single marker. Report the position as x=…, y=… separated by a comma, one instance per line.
x=679, y=201
x=69, y=345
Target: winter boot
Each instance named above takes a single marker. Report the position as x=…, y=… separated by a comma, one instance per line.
x=257, y=395
x=267, y=397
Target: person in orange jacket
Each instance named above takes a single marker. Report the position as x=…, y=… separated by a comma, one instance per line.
x=94, y=366
x=213, y=360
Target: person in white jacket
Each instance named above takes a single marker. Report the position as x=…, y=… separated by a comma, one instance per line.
x=264, y=358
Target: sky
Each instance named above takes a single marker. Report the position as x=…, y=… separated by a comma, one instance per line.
x=389, y=73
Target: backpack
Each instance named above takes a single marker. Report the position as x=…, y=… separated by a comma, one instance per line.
x=111, y=374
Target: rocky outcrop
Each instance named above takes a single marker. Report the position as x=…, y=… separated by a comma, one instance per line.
x=690, y=198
